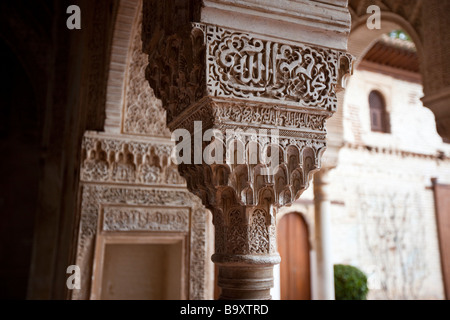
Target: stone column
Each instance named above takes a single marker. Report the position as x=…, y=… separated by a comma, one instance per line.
x=325, y=273
x=251, y=85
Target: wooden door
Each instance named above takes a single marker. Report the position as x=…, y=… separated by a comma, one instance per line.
x=442, y=199
x=293, y=246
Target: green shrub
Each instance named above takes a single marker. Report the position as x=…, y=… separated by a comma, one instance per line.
x=350, y=283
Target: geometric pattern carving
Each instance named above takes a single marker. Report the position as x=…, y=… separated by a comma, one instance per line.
x=231, y=80
x=259, y=234
x=242, y=237
x=236, y=234
x=176, y=72
x=266, y=83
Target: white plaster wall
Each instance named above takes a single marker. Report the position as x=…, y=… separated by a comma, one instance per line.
x=413, y=127
x=383, y=218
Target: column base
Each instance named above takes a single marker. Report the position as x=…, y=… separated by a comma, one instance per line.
x=245, y=283
x=245, y=277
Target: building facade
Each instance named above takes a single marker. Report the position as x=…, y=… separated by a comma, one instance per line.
x=382, y=198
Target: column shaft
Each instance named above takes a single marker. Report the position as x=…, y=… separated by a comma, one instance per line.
x=325, y=273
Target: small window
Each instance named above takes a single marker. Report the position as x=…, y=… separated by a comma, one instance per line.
x=379, y=118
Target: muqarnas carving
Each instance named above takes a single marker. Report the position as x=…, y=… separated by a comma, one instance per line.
x=115, y=160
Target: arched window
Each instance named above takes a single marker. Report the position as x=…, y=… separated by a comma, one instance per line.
x=379, y=118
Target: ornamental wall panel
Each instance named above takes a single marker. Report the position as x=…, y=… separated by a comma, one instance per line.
x=130, y=188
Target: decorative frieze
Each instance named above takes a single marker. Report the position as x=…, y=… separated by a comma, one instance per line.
x=145, y=219
x=261, y=115
x=223, y=115
x=143, y=114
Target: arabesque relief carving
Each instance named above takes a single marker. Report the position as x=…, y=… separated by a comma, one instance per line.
x=128, y=161
x=129, y=182
x=143, y=113
x=240, y=65
x=270, y=115
x=145, y=219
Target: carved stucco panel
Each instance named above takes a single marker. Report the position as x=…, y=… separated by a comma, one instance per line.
x=213, y=62
x=241, y=65
x=231, y=79
x=143, y=113
x=118, y=201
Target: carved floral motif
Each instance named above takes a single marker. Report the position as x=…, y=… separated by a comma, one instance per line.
x=237, y=241
x=259, y=233
x=143, y=112
x=176, y=72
